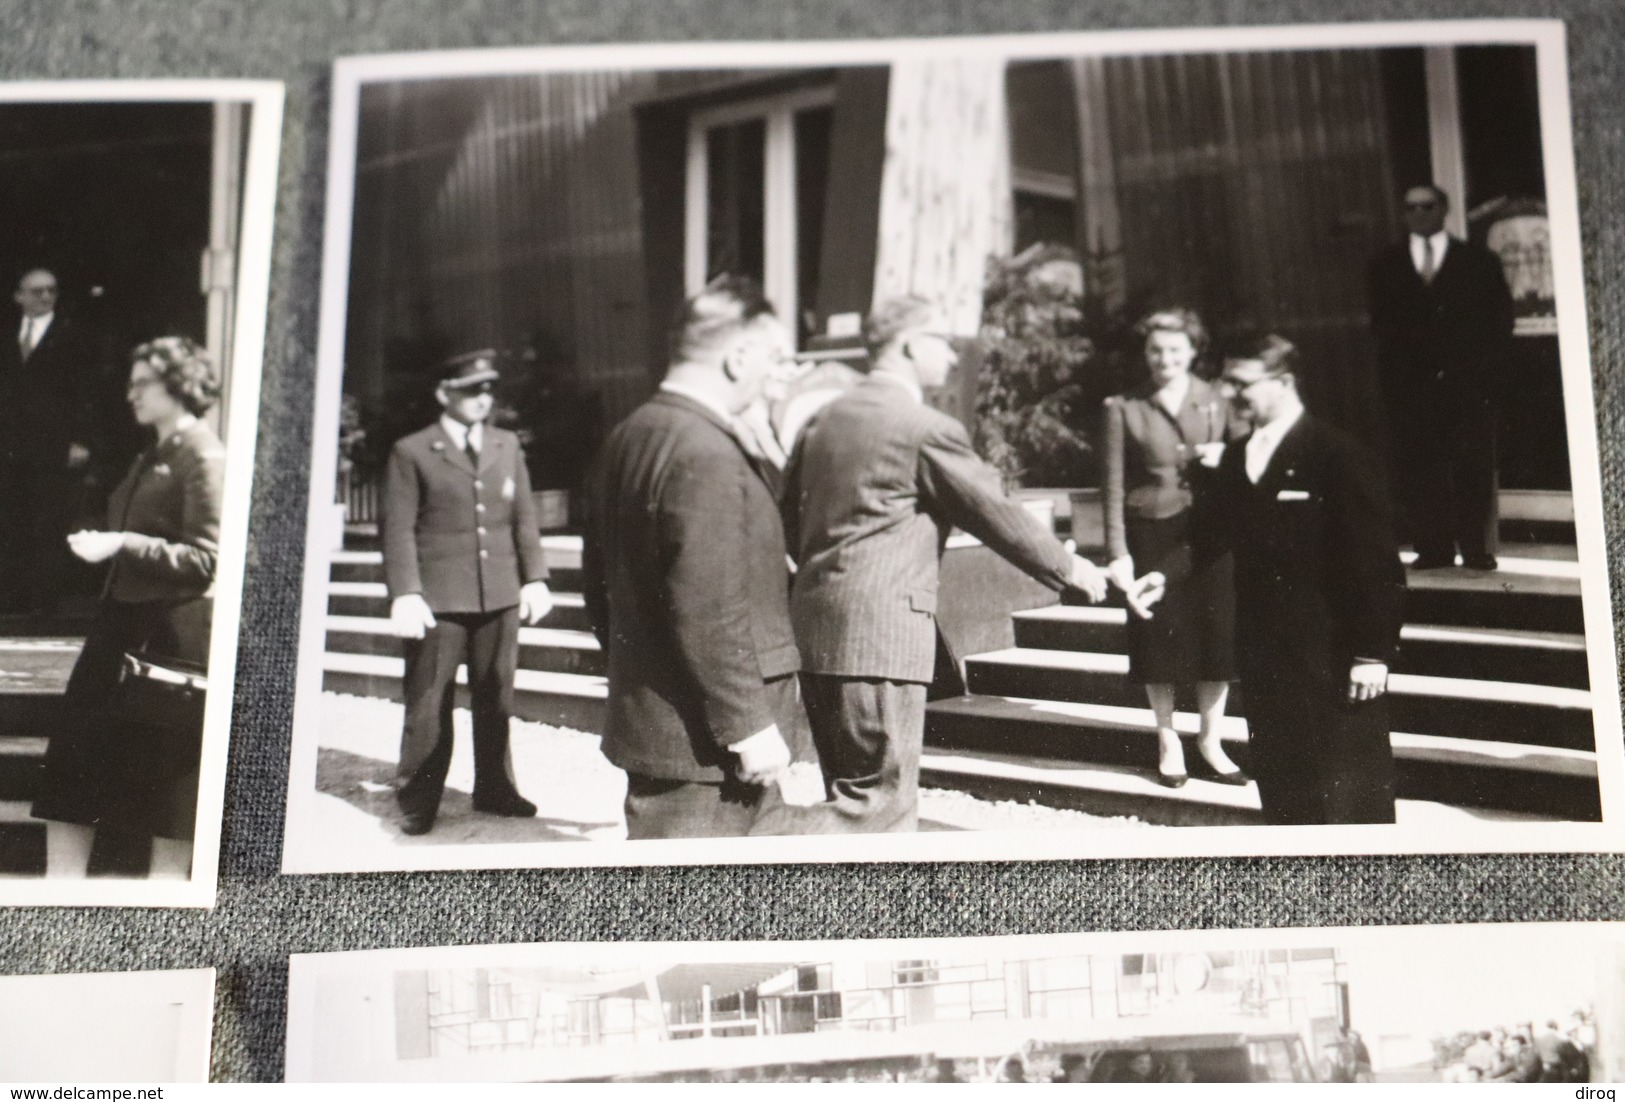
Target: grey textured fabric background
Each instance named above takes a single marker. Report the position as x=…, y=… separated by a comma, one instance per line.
x=262, y=917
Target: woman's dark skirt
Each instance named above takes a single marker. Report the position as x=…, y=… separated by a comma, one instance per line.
x=1191, y=634
x=104, y=768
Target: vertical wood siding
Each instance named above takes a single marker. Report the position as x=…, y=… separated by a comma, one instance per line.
x=500, y=213
x=1255, y=188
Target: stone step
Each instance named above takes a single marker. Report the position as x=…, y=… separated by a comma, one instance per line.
x=562, y=699
x=1489, y=654
x=1116, y=791
x=370, y=600
x=22, y=840
x=540, y=648
x=1504, y=599
x=369, y=567
x=21, y=756
x=1536, y=715
x=1549, y=781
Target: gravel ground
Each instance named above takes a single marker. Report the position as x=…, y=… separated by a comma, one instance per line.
x=565, y=774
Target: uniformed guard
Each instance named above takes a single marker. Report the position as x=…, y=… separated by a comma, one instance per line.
x=463, y=563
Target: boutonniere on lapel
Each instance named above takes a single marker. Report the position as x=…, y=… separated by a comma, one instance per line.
x=507, y=489
x=160, y=470
x=437, y=445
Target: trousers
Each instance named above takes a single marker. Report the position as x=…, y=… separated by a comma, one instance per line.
x=489, y=643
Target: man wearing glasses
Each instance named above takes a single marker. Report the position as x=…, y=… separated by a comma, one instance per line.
x=1319, y=596
x=463, y=564
x=875, y=484
x=1442, y=316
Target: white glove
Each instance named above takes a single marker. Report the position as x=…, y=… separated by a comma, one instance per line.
x=1145, y=592
x=535, y=601
x=1367, y=680
x=96, y=546
x=409, y=616
x=762, y=755
x=1121, y=572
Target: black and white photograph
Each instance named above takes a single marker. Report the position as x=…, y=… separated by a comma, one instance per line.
x=107, y=1027
x=1408, y=1004
x=136, y=253
x=1164, y=443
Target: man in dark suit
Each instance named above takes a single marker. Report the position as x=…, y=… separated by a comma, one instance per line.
x=45, y=431
x=877, y=481
x=687, y=586
x=1319, y=595
x=463, y=563
x=1442, y=316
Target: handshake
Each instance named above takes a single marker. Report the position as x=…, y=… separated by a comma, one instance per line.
x=1138, y=593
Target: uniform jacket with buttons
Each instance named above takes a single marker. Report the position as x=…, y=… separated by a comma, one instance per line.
x=464, y=539
x=877, y=482
x=1150, y=455
x=686, y=584
x=168, y=506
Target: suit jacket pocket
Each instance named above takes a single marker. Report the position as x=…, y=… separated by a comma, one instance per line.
x=923, y=600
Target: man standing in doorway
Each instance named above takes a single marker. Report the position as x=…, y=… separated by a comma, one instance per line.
x=1442, y=316
x=687, y=588
x=877, y=481
x=1319, y=595
x=463, y=563
x=45, y=423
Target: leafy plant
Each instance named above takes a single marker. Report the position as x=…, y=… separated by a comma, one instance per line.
x=1049, y=357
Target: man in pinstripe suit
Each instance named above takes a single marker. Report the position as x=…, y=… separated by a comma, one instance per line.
x=877, y=481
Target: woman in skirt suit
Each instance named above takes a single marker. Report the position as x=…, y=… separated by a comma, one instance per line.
x=107, y=770
x=1158, y=439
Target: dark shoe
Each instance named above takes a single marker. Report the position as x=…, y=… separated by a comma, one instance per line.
x=1432, y=562
x=510, y=805
x=1172, y=780
x=1235, y=777
x=1480, y=562
x=417, y=822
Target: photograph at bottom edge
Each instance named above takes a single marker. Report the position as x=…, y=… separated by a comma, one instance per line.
x=107, y=1027
x=1429, y=1004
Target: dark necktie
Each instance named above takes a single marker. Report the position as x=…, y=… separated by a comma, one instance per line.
x=471, y=451
x=1430, y=264
x=25, y=343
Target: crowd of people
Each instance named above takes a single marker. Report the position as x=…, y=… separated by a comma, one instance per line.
x=1522, y=1053
x=1249, y=540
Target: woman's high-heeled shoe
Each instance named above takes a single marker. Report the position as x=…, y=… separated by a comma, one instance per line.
x=1169, y=748
x=1232, y=775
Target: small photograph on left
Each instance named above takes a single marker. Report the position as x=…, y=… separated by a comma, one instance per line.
x=107, y=1027
x=135, y=254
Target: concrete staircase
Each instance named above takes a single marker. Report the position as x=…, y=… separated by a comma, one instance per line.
x=1491, y=703
x=561, y=668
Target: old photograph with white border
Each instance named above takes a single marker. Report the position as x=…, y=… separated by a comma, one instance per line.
x=138, y=256
x=107, y=1027
x=1537, y=1002
x=1149, y=443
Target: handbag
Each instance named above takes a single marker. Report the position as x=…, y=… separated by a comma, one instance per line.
x=162, y=692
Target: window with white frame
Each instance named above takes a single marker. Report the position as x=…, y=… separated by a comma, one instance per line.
x=757, y=175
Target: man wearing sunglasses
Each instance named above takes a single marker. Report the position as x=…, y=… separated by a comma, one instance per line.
x=1442, y=316
x=463, y=563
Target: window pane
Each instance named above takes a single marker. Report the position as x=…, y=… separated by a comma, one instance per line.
x=735, y=177
x=812, y=129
